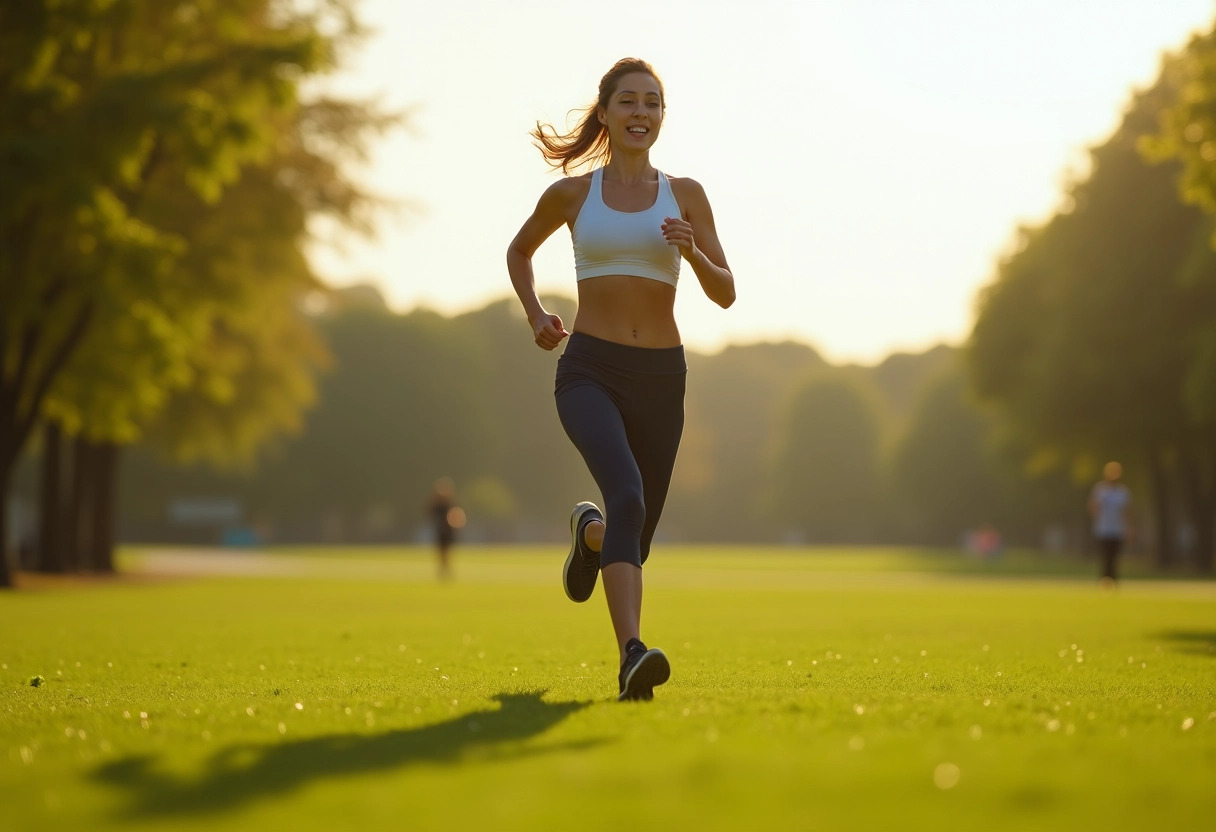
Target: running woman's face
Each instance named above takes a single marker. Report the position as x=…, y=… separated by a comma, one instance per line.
x=634, y=113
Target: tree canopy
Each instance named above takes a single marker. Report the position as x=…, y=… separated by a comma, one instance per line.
x=160, y=167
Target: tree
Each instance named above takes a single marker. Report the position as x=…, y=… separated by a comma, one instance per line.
x=825, y=481
x=940, y=467
x=402, y=408
x=719, y=489
x=957, y=468
x=1187, y=135
x=111, y=110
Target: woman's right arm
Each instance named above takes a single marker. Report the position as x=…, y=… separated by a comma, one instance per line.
x=550, y=214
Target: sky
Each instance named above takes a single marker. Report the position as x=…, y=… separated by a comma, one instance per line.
x=868, y=161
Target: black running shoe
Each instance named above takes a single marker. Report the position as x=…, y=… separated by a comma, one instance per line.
x=582, y=565
x=642, y=672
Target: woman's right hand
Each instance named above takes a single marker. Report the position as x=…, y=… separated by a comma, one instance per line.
x=548, y=331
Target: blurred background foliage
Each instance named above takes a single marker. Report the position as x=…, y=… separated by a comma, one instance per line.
x=162, y=169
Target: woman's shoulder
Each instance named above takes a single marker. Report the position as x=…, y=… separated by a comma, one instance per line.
x=569, y=189
x=573, y=184
x=688, y=192
x=685, y=186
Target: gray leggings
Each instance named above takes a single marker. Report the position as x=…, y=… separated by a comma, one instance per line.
x=623, y=408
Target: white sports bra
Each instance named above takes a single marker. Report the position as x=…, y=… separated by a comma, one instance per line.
x=622, y=242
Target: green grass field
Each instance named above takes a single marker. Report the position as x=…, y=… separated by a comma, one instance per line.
x=850, y=690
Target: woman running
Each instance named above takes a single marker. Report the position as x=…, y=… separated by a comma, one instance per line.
x=620, y=381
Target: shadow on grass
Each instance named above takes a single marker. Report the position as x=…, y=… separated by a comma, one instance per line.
x=1197, y=642
x=245, y=773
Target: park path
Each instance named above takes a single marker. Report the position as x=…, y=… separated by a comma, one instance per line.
x=540, y=567
x=202, y=562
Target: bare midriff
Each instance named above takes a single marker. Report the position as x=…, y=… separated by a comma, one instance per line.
x=628, y=310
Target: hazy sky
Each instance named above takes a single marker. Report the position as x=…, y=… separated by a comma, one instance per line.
x=867, y=160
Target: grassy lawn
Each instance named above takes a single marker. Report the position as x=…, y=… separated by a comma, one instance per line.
x=851, y=690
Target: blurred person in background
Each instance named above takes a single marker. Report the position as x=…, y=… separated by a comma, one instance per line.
x=446, y=517
x=1109, y=508
x=621, y=380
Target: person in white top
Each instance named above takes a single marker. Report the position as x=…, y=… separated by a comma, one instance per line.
x=621, y=379
x=1109, y=508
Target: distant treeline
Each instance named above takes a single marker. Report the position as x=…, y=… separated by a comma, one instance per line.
x=779, y=446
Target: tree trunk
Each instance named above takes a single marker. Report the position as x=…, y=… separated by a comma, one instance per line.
x=1162, y=511
x=7, y=567
x=77, y=524
x=1207, y=557
x=50, y=521
x=1083, y=527
x=105, y=487
x=9, y=453
x=19, y=384
x=1200, y=477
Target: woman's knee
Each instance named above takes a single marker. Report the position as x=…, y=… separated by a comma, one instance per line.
x=624, y=525
x=626, y=509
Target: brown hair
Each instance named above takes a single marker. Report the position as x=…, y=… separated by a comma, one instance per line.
x=589, y=141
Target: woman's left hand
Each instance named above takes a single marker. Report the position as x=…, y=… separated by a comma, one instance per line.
x=678, y=232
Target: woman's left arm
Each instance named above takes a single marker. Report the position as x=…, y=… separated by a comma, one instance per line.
x=697, y=238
